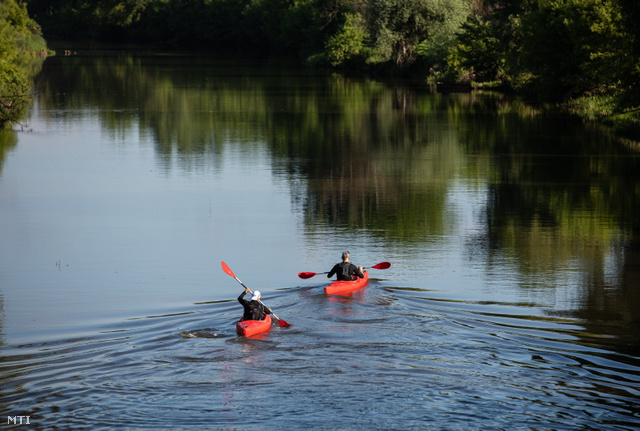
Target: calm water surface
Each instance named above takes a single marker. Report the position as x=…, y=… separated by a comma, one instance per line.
x=512, y=301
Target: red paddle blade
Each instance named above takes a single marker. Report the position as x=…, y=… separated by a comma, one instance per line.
x=226, y=269
x=284, y=324
x=382, y=265
x=305, y=275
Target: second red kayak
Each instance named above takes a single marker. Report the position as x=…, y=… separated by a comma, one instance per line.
x=340, y=287
x=253, y=327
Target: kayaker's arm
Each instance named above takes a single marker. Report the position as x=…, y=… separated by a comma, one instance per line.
x=241, y=297
x=333, y=271
x=359, y=272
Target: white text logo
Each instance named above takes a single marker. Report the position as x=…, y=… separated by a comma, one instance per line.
x=17, y=420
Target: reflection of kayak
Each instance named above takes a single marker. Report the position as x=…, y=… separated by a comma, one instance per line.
x=253, y=327
x=339, y=287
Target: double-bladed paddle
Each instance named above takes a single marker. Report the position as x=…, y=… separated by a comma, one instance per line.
x=381, y=265
x=226, y=269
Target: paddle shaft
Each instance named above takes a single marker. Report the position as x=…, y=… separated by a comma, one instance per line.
x=381, y=265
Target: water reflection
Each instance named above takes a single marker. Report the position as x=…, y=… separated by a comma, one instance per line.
x=8, y=141
x=382, y=159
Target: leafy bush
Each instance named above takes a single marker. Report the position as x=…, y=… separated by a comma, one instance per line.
x=349, y=42
x=19, y=44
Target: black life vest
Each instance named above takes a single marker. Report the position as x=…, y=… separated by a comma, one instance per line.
x=253, y=311
x=345, y=266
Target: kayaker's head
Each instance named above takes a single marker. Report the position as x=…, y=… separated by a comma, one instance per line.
x=345, y=256
x=255, y=296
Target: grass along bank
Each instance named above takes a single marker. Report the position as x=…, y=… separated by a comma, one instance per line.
x=624, y=122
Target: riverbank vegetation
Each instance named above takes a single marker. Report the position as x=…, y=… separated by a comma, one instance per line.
x=21, y=45
x=582, y=55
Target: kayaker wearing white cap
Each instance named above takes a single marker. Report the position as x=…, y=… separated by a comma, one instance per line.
x=253, y=309
x=346, y=270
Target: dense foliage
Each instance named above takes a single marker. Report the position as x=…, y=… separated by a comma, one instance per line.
x=336, y=32
x=557, y=47
x=20, y=43
x=584, y=53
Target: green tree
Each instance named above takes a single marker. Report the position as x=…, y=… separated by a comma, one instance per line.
x=477, y=54
x=576, y=47
x=559, y=48
x=20, y=43
x=489, y=43
x=289, y=27
x=397, y=27
x=349, y=42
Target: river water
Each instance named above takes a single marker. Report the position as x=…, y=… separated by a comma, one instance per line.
x=512, y=301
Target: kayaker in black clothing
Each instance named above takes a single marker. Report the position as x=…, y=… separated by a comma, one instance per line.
x=346, y=270
x=253, y=309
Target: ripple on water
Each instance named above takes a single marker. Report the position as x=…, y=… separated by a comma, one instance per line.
x=380, y=359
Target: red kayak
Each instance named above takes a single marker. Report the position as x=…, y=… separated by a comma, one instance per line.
x=253, y=327
x=340, y=287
